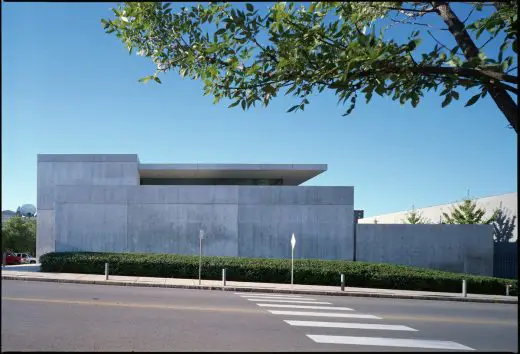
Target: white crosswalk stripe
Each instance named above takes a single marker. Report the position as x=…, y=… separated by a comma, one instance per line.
x=292, y=301
x=310, y=307
x=273, y=297
x=389, y=342
x=323, y=314
x=268, y=294
x=350, y=325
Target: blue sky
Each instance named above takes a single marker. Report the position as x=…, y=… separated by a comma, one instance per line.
x=67, y=87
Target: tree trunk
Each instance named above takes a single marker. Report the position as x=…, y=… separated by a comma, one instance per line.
x=502, y=99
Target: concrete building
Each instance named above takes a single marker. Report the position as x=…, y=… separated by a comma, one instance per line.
x=115, y=203
x=508, y=202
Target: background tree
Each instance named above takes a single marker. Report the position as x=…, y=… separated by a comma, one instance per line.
x=414, y=217
x=248, y=56
x=468, y=213
x=19, y=235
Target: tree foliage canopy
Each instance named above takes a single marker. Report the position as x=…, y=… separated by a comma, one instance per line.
x=415, y=217
x=19, y=235
x=468, y=213
x=250, y=57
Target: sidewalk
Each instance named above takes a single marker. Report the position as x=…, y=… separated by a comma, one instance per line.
x=15, y=273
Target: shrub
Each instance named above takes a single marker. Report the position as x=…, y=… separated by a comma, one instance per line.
x=268, y=270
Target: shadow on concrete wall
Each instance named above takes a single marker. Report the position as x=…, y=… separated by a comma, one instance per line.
x=505, y=252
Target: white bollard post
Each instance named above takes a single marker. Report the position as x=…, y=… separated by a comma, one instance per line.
x=464, y=292
x=224, y=277
x=106, y=271
x=507, y=289
x=201, y=236
x=342, y=282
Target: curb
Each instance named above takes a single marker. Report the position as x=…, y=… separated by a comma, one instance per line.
x=282, y=291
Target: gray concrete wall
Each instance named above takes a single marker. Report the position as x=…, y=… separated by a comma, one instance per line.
x=249, y=221
x=453, y=248
x=75, y=170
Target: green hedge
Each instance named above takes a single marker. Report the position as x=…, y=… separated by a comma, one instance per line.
x=306, y=271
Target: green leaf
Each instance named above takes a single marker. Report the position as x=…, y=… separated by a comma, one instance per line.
x=414, y=43
x=415, y=99
x=507, y=63
x=145, y=79
x=244, y=103
x=368, y=96
x=250, y=7
x=455, y=95
x=472, y=100
x=446, y=101
x=234, y=104
x=479, y=31
x=380, y=90
x=293, y=108
x=156, y=79
x=454, y=50
x=212, y=49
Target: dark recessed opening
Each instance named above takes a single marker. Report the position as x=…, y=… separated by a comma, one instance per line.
x=210, y=182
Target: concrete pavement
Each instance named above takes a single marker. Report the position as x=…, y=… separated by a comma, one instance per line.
x=77, y=317
x=17, y=274
x=22, y=267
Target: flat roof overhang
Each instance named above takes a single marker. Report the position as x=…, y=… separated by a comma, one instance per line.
x=292, y=175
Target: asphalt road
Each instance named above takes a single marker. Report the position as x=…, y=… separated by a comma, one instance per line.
x=40, y=316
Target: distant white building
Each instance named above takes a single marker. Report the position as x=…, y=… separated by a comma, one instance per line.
x=508, y=202
x=7, y=214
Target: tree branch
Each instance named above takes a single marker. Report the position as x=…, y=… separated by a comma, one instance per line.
x=487, y=75
x=479, y=75
x=320, y=37
x=470, y=12
x=489, y=40
x=405, y=22
x=438, y=42
x=507, y=87
x=401, y=10
x=500, y=95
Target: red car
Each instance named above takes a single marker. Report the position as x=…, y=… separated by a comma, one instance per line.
x=12, y=259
